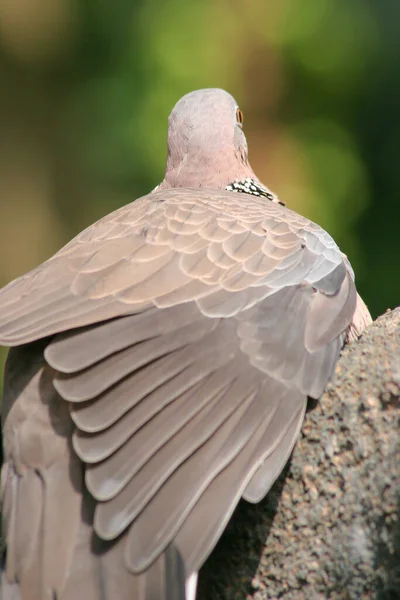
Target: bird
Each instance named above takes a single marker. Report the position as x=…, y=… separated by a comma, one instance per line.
x=159, y=369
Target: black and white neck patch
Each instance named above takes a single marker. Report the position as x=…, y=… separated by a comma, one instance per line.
x=250, y=186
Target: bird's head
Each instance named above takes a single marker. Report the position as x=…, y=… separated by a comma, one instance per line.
x=206, y=144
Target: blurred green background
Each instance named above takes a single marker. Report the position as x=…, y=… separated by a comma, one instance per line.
x=86, y=88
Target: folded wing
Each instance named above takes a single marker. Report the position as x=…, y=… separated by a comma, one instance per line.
x=187, y=331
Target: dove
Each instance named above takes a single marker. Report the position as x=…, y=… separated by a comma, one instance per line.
x=159, y=371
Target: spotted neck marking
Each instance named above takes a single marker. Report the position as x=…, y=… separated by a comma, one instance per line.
x=250, y=186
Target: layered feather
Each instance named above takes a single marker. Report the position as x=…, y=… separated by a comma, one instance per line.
x=187, y=331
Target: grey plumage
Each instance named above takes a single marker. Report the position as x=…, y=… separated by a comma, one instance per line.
x=161, y=368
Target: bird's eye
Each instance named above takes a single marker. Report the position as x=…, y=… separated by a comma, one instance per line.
x=239, y=116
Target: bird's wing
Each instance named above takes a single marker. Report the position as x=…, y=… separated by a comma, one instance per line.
x=167, y=248
x=194, y=326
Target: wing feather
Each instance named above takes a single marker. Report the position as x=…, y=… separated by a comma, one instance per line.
x=187, y=330
x=130, y=261
x=202, y=529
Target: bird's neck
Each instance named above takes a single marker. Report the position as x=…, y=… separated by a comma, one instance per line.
x=225, y=170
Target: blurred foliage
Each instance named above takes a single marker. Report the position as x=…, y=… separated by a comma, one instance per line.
x=86, y=89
